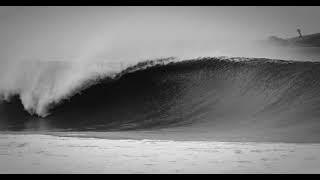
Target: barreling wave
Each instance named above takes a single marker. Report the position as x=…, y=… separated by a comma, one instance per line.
x=244, y=95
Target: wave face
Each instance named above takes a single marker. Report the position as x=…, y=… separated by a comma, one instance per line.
x=255, y=97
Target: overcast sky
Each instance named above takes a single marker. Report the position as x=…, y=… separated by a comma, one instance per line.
x=56, y=32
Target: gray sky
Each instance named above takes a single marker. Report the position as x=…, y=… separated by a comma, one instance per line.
x=113, y=32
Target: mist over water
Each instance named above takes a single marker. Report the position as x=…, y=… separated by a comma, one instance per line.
x=48, y=52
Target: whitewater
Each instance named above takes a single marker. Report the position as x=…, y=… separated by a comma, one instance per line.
x=52, y=154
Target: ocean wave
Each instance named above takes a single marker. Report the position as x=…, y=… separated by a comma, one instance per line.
x=217, y=94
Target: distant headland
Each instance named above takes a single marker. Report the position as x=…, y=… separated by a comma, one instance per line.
x=310, y=40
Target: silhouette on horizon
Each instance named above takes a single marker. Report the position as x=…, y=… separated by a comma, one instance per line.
x=299, y=31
